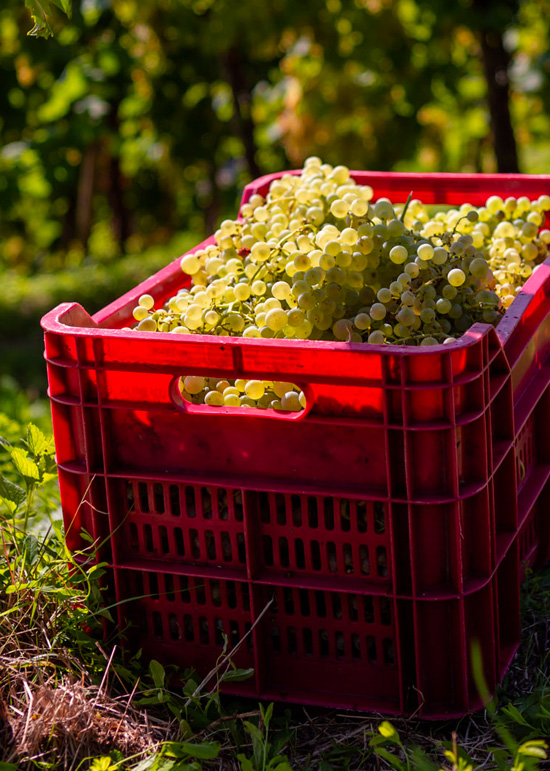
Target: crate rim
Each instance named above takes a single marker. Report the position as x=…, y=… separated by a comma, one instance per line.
x=55, y=321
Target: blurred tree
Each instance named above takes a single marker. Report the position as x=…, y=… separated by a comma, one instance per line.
x=493, y=18
x=144, y=117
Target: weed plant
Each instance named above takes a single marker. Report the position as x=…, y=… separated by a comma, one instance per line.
x=70, y=701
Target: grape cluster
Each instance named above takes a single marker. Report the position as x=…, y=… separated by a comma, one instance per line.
x=319, y=259
x=263, y=394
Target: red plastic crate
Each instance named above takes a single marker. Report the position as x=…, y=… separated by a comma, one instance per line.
x=389, y=523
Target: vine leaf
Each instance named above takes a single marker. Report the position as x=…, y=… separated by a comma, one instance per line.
x=41, y=11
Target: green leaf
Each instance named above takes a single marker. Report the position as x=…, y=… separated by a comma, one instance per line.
x=41, y=11
x=37, y=442
x=26, y=467
x=257, y=740
x=203, y=751
x=246, y=764
x=9, y=491
x=17, y=587
x=266, y=715
x=377, y=741
x=158, y=698
x=515, y=714
x=157, y=673
x=8, y=767
x=31, y=548
x=536, y=748
x=236, y=675
x=159, y=763
x=389, y=758
x=145, y=765
x=185, y=728
x=65, y=6
x=97, y=570
x=102, y=764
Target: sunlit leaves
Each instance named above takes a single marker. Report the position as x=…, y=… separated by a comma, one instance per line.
x=41, y=12
x=368, y=83
x=72, y=85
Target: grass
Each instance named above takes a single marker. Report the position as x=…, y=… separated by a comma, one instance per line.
x=70, y=701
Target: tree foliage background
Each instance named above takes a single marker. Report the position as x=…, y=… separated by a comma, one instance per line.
x=141, y=119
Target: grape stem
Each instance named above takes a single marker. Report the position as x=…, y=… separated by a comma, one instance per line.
x=407, y=202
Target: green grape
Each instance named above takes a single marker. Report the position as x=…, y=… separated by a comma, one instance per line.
x=280, y=290
x=456, y=277
x=192, y=322
x=529, y=230
x=362, y=321
x=425, y=252
x=479, y=267
x=214, y=399
x=327, y=261
x=343, y=259
x=242, y=292
x=383, y=209
x=302, y=262
x=376, y=338
x=359, y=207
x=258, y=288
x=254, y=389
x=398, y=254
x=395, y=288
x=449, y=292
x=332, y=248
x=291, y=402
x=529, y=251
x=147, y=325
x=339, y=208
x=412, y=270
x=211, y=318
x=349, y=236
x=190, y=264
x=231, y=400
x=193, y=385
x=406, y=317
x=378, y=311
x=235, y=322
x=342, y=329
x=139, y=313
x=146, y=301
x=276, y=319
